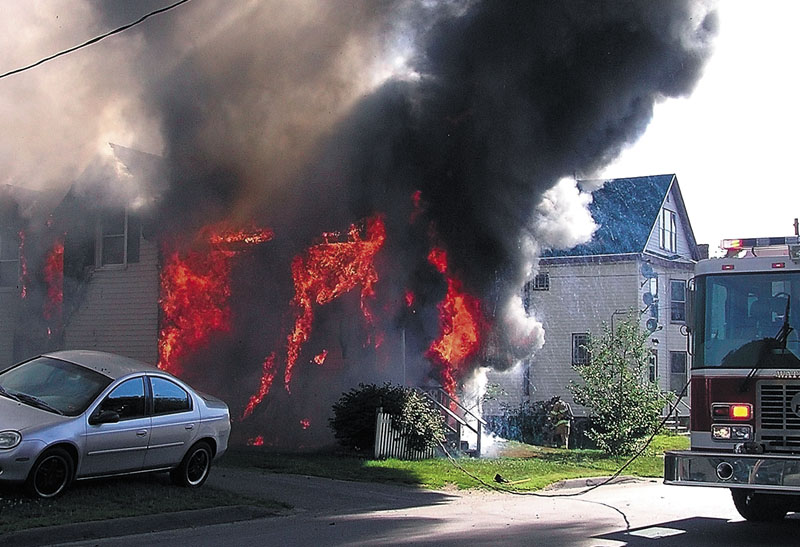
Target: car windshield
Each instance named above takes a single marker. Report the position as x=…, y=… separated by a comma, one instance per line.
x=748, y=320
x=53, y=385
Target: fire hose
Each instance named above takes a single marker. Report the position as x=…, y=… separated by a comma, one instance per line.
x=499, y=479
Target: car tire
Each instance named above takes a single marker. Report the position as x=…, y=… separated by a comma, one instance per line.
x=51, y=474
x=195, y=466
x=760, y=507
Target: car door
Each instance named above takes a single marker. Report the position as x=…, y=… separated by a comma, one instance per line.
x=118, y=446
x=175, y=423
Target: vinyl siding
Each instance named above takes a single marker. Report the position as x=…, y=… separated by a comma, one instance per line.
x=119, y=312
x=9, y=301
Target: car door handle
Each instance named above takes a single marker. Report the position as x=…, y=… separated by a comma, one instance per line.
x=190, y=426
x=141, y=433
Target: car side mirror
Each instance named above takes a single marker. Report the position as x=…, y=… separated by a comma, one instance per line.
x=104, y=417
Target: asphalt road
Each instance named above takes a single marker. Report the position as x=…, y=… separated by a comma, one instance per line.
x=329, y=512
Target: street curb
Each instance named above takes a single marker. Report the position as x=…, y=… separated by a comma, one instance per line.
x=588, y=482
x=119, y=527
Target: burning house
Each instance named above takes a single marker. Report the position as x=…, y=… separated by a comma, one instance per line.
x=319, y=219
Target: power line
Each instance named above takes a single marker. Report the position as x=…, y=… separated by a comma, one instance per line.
x=95, y=39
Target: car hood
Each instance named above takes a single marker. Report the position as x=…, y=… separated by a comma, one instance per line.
x=19, y=416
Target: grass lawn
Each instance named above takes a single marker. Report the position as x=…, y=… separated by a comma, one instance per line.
x=528, y=467
x=111, y=498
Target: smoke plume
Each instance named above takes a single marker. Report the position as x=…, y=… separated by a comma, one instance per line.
x=308, y=116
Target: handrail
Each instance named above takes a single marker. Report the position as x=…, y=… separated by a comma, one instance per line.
x=452, y=400
x=445, y=408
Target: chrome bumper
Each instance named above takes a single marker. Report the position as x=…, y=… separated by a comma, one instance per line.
x=764, y=471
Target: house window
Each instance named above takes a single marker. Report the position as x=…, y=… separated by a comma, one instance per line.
x=541, y=282
x=677, y=300
x=677, y=371
x=653, y=368
x=668, y=239
x=580, y=348
x=118, y=239
x=9, y=259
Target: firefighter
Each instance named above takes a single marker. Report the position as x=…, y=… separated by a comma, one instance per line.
x=561, y=418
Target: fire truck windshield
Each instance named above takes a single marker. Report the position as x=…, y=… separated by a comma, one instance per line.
x=747, y=320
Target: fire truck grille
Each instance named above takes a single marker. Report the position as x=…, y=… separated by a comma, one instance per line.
x=779, y=425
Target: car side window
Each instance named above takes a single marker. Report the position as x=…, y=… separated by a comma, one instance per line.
x=169, y=397
x=127, y=399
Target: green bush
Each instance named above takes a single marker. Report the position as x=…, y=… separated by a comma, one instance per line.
x=625, y=405
x=413, y=415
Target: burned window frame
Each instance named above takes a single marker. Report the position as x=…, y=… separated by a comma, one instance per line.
x=6, y=233
x=130, y=236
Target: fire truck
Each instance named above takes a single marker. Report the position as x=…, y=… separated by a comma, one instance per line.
x=743, y=312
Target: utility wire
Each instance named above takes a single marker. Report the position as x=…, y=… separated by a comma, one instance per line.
x=94, y=40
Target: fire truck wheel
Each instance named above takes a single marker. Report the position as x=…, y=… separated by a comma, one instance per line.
x=760, y=507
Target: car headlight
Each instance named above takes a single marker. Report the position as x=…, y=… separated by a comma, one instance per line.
x=9, y=439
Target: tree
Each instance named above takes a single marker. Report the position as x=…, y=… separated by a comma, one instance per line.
x=625, y=405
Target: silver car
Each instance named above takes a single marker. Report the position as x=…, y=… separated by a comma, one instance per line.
x=80, y=414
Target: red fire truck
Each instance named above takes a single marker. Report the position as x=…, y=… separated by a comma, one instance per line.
x=743, y=312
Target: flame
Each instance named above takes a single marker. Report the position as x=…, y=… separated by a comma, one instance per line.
x=327, y=271
x=23, y=267
x=54, y=280
x=222, y=235
x=267, y=377
x=460, y=320
x=195, y=289
x=320, y=359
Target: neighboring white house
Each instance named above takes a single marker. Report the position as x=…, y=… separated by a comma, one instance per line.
x=638, y=260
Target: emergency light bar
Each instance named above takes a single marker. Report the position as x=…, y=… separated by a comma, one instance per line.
x=734, y=244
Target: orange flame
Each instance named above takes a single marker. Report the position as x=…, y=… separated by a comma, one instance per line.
x=327, y=271
x=54, y=279
x=460, y=320
x=267, y=377
x=195, y=288
x=320, y=358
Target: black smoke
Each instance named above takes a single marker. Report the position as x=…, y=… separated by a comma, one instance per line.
x=268, y=118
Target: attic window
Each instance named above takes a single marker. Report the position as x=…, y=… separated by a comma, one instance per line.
x=118, y=239
x=668, y=232
x=9, y=259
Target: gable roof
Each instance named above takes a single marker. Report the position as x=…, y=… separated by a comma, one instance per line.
x=625, y=211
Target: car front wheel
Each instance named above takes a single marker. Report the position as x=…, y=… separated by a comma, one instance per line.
x=193, y=470
x=51, y=473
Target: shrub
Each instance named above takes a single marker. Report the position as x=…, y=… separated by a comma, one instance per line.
x=413, y=415
x=625, y=406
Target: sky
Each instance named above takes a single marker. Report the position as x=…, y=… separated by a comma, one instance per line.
x=733, y=143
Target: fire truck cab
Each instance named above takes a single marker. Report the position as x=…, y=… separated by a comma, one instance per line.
x=742, y=318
